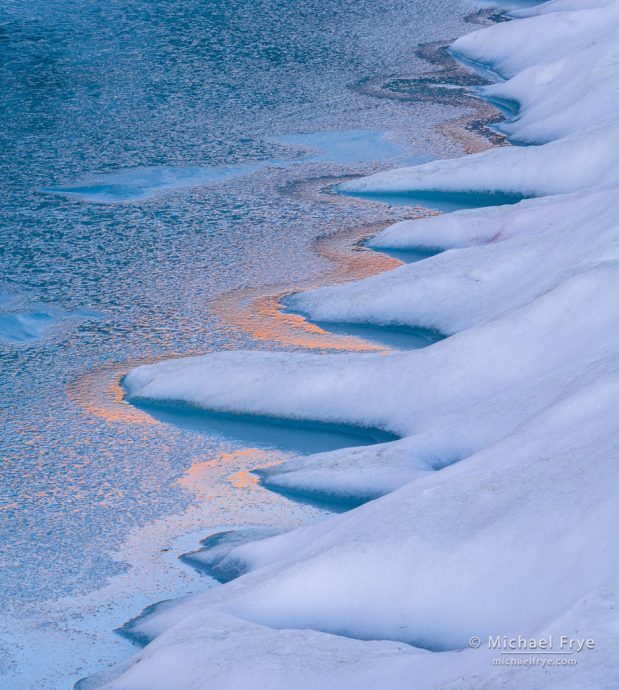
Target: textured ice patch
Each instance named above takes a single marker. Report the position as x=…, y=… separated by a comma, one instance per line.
x=24, y=327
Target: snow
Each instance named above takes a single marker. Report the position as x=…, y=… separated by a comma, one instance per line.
x=566, y=83
x=463, y=287
x=212, y=558
x=494, y=513
x=550, y=107
x=470, y=394
x=500, y=526
x=470, y=520
x=579, y=161
x=548, y=34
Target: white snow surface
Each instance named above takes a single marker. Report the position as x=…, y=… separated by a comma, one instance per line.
x=495, y=512
x=460, y=288
x=563, y=70
x=583, y=160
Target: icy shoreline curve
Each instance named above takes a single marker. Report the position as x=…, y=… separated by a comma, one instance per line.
x=495, y=512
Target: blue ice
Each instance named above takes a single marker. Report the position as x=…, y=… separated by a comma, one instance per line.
x=344, y=147
x=134, y=184
x=23, y=322
x=24, y=327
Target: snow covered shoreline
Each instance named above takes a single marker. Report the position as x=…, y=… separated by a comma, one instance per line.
x=495, y=510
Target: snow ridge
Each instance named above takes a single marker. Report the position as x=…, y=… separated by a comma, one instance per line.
x=494, y=513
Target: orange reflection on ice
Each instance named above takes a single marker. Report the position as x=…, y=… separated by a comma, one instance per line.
x=258, y=311
x=99, y=394
x=260, y=315
x=243, y=480
x=469, y=138
x=205, y=476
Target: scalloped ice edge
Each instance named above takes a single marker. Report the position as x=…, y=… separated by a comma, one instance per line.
x=515, y=537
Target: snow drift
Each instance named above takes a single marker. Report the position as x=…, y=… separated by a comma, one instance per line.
x=495, y=512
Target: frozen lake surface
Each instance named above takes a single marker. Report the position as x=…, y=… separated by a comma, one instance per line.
x=158, y=155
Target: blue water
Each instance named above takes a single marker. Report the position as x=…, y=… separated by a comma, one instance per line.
x=155, y=155
x=398, y=337
x=303, y=437
x=440, y=200
x=408, y=256
x=395, y=337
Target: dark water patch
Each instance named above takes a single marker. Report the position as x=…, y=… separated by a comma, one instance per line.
x=487, y=16
x=212, y=557
x=446, y=86
x=449, y=83
x=398, y=336
x=489, y=128
x=131, y=629
x=332, y=502
x=265, y=432
x=441, y=200
x=407, y=255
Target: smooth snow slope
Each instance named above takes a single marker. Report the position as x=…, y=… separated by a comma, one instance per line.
x=495, y=512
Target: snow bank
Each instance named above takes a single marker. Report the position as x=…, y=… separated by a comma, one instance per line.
x=473, y=227
x=550, y=34
x=358, y=474
x=551, y=105
x=213, y=556
x=537, y=9
x=563, y=71
x=464, y=287
x=403, y=393
x=577, y=162
x=492, y=545
x=453, y=398
x=495, y=512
